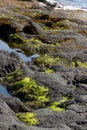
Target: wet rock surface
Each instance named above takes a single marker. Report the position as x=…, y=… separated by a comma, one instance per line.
x=60, y=38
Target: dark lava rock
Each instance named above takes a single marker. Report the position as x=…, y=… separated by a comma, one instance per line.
x=15, y=104
x=8, y=120
x=56, y=83
x=9, y=62
x=7, y=116
x=81, y=79
x=61, y=34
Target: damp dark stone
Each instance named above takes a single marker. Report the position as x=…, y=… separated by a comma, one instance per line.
x=6, y=30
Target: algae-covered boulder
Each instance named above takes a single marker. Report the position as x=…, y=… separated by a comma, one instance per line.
x=32, y=94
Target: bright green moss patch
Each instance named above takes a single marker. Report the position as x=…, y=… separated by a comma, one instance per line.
x=32, y=94
x=49, y=70
x=72, y=64
x=59, y=106
x=28, y=118
x=82, y=64
x=29, y=92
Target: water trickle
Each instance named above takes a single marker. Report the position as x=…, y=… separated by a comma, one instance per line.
x=4, y=46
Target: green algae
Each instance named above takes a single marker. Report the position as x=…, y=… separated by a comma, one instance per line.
x=78, y=63
x=30, y=92
x=82, y=64
x=28, y=118
x=17, y=38
x=59, y=106
x=34, y=43
x=34, y=40
x=10, y=78
x=49, y=71
x=46, y=61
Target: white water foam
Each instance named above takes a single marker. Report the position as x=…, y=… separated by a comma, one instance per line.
x=60, y=5
x=51, y=1
x=66, y=7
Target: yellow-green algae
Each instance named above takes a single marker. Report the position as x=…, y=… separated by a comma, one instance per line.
x=17, y=38
x=14, y=75
x=35, y=40
x=28, y=118
x=32, y=94
x=56, y=106
x=33, y=45
x=46, y=61
x=82, y=64
x=28, y=91
x=49, y=71
x=78, y=63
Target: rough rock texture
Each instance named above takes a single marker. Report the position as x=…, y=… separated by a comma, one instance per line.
x=8, y=120
x=7, y=116
x=60, y=38
x=15, y=104
x=9, y=62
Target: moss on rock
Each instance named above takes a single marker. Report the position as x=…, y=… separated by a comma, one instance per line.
x=78, y=63
x=49, y=71
x=13, y=76
x=28, y=118
x=30, y=93
x=59, y=106
x=46, y=61
x=16, y=38
x=82, y=64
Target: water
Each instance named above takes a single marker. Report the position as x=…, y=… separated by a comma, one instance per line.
x=71, y=4
x=4, y=46
x=4, y=91
x=76, y=3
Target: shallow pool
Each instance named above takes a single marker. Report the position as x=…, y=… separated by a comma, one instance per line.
x=4, y=91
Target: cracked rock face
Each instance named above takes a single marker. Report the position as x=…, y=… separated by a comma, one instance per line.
x=8, y=62
x=11, y=61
